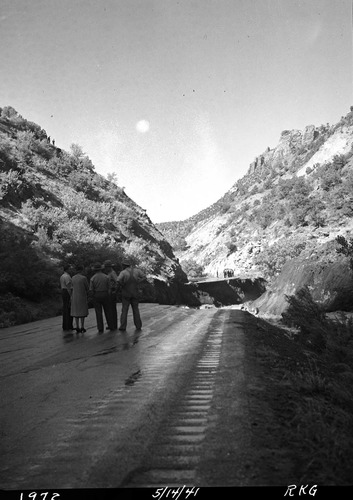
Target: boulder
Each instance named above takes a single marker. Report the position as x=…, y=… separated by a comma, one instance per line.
x=330, y=284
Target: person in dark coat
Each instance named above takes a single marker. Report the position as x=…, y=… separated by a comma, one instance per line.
x=66, y=291
x=79, y=299
x=128, y=279
x=113, y=288
x=99, y=290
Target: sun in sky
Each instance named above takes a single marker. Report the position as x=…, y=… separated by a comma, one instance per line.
x=143, y=126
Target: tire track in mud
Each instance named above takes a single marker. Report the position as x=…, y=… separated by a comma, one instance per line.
x=174, y=455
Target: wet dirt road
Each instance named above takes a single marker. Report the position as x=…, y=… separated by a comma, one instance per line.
x=125, y=409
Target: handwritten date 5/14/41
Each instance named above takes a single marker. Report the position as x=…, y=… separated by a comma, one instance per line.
x=175, y=493
x=34, y=495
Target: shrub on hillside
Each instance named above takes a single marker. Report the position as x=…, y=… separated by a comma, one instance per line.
x=265, y=213
x=80, y=230
x=224, y=207
x=24, y=144
x=7, y=153
x=178, y=243
x=272, y=258
x=330, y=174
x=83, y=181
x=315, y=212
x=74, y=252
x=192, y=269
x=333, y=339
x=122, y=213
x=49, y=218
x=293, y=189
x=147, y=257
x=232, y=247
x=329, y=179
x=302, y=311
x=345, y=248
x=10, y=184
x=60, y=165
x=8, y=112
x=79, y=160
x=43, y=149
x=97, y=213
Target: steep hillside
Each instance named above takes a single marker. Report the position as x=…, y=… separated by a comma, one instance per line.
x=55, y=208
x=293, y=202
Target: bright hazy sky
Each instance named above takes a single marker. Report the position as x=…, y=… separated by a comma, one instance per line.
x=177, y=97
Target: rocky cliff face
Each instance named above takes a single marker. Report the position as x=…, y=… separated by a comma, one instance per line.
x=295, y=199
x=289, y=143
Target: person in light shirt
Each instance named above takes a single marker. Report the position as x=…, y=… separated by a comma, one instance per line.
x=128, y=279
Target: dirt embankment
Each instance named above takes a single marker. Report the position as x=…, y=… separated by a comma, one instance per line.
x=330, y=284
x=222, y=292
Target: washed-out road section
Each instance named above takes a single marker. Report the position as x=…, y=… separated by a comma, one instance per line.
x=167, y=405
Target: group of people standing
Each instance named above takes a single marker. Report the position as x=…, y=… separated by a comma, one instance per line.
x=228, y=273
x=103, y=288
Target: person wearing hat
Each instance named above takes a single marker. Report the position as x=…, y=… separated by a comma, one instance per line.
x=99, y=289
x=129, y=278
x=113, y=288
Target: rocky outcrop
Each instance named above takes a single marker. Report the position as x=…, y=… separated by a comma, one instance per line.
x=289, y=143
x=330, y=284
x=258, y=162
x=310, y=134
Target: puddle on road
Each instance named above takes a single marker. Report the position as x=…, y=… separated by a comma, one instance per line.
x=68, y=337
x=133, y=378
x=129, y=343
x=125, y=342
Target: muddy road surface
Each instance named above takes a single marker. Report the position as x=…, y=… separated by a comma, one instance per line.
x=167, y=405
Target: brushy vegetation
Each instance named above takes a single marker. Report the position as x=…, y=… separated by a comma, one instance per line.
x=322, y=423
x=273, y=257
x=65, y=213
